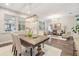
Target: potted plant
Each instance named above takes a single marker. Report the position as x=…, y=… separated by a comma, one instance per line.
x=76, y=29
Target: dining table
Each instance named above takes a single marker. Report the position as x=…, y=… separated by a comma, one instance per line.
x=33, y=42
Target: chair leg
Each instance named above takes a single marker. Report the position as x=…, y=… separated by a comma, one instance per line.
x=16, y=54
x=13, y=48
x=14, y=51
x=20, y=54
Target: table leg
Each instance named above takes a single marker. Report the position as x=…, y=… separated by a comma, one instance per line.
x=31, y=52
x=40, y=52
x=43, y=45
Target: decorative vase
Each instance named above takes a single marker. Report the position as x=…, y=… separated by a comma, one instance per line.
x=30, y=34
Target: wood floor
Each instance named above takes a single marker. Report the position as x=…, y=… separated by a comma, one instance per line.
x=66, y=46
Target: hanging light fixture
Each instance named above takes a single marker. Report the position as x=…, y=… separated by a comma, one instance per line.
x=31, y=17
x=31, y=21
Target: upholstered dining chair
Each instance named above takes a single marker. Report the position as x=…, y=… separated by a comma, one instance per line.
x=17, y=46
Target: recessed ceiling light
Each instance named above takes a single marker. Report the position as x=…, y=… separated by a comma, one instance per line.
x=55, y=16
x=6, y=3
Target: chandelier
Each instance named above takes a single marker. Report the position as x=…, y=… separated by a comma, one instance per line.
x=31, y=17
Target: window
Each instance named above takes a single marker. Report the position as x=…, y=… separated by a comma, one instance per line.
x=21, y=23
x=10, y=23
x=41, y=25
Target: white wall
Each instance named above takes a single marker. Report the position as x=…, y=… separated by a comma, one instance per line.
x=2, y=14
x=67, y=20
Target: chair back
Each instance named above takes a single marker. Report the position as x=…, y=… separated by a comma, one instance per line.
x=17, y=43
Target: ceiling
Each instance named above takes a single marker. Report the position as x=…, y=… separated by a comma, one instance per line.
x=43, y=9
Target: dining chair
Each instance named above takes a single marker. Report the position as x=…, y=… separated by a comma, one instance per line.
x=17, y=46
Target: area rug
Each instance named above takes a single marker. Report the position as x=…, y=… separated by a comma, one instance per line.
x=49, y=51
x=52, y=51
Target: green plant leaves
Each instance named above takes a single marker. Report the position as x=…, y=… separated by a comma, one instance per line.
x=76, y=28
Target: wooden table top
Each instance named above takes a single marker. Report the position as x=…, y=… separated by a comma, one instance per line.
x=33, y=40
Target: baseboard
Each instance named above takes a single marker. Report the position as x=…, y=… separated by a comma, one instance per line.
x=5, y=44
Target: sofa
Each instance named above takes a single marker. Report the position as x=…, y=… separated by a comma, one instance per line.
x=5, y=39
x=76, y=41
